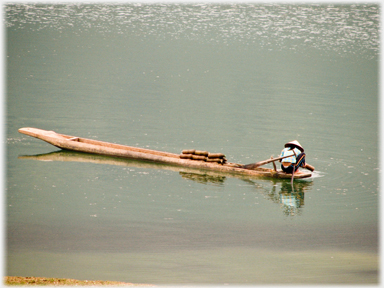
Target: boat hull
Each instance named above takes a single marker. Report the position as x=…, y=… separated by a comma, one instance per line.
x=79, y=144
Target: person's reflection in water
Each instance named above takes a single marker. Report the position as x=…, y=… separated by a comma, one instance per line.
x=292, y=197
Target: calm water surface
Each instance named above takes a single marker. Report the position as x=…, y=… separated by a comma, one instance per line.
x=239, y=79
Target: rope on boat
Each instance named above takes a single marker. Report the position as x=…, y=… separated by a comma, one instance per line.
x=203, y=156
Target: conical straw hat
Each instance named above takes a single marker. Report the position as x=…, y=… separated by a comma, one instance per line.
x=294, y=143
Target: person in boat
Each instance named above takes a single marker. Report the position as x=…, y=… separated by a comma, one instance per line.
x=292, y=164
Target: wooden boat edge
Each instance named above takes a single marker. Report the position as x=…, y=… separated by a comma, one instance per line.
x=68, y=142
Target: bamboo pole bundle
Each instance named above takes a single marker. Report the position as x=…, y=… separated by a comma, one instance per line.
x=203, y=156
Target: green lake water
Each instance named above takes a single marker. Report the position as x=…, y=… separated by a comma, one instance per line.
x=240, y=79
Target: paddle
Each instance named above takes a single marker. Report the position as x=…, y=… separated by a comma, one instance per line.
x=258, y=164
x=255, y=165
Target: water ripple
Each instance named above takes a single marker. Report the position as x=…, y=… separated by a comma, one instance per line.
x=327, y=27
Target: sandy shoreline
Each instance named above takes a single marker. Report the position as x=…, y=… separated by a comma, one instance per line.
x=18, y=280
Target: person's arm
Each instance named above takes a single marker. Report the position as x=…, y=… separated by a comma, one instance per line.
x=281, y=154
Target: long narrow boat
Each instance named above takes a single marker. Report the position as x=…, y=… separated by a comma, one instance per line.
x=79, y=144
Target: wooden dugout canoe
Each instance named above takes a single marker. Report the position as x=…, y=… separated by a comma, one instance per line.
x=73, y=143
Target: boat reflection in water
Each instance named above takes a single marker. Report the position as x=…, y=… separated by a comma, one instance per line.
x=289, y=196
x=204, y=178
